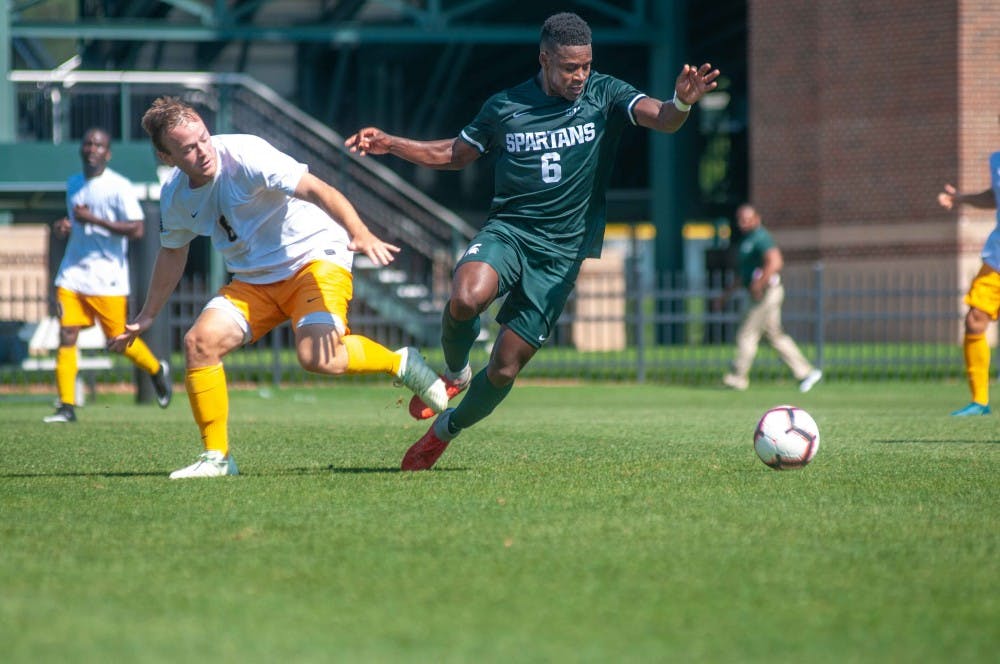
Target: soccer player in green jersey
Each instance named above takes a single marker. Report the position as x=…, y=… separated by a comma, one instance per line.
x=555, y=136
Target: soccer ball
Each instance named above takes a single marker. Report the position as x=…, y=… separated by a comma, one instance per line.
x=786, y=437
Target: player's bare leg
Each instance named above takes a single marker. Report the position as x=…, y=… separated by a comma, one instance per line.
x=976, y=351
x=321, y=349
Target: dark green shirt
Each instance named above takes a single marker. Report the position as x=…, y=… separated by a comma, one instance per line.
x=554, y=159
x=752, y=249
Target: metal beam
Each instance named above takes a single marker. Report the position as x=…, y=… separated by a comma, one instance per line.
x=630, y=18
x=340, y=34
x=206, y=15
x=8, y=123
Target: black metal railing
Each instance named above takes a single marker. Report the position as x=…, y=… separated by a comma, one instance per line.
x=59, y=106
x=618, y=326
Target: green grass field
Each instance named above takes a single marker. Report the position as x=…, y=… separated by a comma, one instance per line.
x=577, y=524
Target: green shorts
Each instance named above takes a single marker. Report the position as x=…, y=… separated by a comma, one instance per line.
x=536, y=283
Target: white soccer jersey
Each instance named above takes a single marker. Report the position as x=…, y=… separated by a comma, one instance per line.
x=96, y=260
x=264, y=234
x=991, y=250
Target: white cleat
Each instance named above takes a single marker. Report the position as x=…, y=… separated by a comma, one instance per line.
x=209, y=464
x=735, y=382
x=423, y=381
x=811, y=379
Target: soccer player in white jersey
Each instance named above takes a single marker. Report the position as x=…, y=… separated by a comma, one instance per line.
x=288, y=239
x=983, y=296
x=93, y=278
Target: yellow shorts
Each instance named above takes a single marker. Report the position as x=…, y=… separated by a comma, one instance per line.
x=318, y=288
x=78, y=310
x=984, y=293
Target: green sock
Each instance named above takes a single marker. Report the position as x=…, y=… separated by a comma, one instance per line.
x=457, y=337
x=479, y=402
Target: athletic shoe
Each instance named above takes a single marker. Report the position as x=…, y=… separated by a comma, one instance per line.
x=163, y=385
x=735, y=382
x=425, y=452
x=972, y=409
x=209, y=464
x=453, y=387
x=65, y=413
x=415, y=374
x=811, y=379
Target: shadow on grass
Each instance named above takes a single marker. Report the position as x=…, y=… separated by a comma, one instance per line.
x=96, y=473
x=352, y=471
x=894, y=441
x=283, y=471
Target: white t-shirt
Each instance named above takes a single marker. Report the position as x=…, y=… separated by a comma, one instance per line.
x=264, y=234
x=96, y=260
x=991, y=250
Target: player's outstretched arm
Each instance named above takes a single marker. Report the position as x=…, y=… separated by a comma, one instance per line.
x=167, y=271
x=447, y=154
x=338, y=208
x=691, y=85
x=950, y=199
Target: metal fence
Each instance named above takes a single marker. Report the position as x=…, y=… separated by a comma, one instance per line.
x=625, y=326
x=58, y=106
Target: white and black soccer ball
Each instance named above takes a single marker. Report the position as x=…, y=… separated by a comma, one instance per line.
x=786, y=437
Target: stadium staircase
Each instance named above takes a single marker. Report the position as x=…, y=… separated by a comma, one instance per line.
x=407, y=294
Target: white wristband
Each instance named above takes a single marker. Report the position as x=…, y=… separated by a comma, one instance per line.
x=679, y=105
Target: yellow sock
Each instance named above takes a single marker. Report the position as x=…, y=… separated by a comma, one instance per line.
x=142, y=357
x=66, y=368
x=977, y=366
x=209, y=397
x=365, y=356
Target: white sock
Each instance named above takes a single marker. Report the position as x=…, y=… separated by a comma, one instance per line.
x=461, y=376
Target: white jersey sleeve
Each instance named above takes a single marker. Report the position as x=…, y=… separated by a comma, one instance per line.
x=263, y=232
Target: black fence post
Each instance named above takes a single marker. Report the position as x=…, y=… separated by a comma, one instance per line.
x=639, y=291
x=820, y=313
x=276, y=368
x=142, y=256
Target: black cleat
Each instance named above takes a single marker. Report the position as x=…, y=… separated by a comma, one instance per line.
x=65, y=413
x=163, y=385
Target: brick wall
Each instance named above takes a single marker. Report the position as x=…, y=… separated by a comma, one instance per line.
x=978, y=103
x=860, y=111
x=24, y=281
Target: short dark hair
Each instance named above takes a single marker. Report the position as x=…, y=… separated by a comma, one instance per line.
x=97, y=130
x=163, y=115
x=565, y=29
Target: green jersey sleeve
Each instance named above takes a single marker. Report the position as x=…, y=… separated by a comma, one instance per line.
x=554, y=158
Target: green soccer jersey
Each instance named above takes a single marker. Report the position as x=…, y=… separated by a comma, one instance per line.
x=554, y=159
x=752, y=249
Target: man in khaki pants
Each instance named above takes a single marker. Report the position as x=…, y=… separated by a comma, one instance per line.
x=760, y=268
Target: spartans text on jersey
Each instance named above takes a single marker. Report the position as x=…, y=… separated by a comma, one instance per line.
x=552, y=139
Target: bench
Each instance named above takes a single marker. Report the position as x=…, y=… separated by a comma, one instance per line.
x=43, y=340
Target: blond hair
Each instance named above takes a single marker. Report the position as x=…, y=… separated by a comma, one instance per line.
x=164, y=114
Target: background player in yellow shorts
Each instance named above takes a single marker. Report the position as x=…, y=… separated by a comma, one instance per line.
x=289, y=240
x=983, y=297
x=93, y=278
